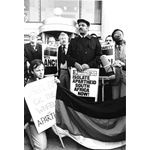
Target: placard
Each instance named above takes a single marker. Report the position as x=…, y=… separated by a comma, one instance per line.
x=85, y=84
x=49, y=57
x=108, y=50
x=40, y=97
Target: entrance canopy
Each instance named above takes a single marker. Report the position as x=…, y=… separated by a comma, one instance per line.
x=58, y=24
x=55, y=25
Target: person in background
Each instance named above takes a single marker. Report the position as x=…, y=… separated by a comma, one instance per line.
x=51, y=41
x=72, y=36
x=63, y=71
x=39, y=40
x=106, y=63
x=119, y=85
x=84, y=51
x=32, y=50
x=109, y=40
x=38, y=140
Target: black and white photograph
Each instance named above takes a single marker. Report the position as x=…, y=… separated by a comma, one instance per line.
x=38, y=109
x=74, y=75
x=64, y=75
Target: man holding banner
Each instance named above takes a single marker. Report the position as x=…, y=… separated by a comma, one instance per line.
x=84, y=51
x=39, y=112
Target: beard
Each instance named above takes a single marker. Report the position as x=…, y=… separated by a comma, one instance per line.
x=120, y=42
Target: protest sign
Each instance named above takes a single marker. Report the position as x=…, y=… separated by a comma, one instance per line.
x=85, y=84
x=108, y=50
x=40, y=97
x=49, y=57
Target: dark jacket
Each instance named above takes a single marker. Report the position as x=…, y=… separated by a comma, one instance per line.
x=84, y=50
x=30, y=54
x=59, y=59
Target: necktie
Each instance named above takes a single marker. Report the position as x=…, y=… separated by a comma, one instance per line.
x=34, y=46
x=63, y=56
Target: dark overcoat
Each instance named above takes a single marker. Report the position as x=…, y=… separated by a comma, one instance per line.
x=30, y=54
x=84, y=50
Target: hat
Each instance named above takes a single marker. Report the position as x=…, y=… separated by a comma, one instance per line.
x=83, y=20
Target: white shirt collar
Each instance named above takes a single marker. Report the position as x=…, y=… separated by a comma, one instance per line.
x=83, y=36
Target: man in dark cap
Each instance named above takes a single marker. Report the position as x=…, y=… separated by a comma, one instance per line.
x=83, y=20
x=84, y=51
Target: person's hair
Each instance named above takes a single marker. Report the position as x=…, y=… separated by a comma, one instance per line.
x=51, y=37
x=63, y=34
x=34, y=64
x=33, y=34
x=108, y=36
x=116, y=31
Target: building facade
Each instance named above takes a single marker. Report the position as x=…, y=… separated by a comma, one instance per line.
x=37, y=11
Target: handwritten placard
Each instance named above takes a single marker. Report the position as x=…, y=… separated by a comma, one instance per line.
x=40, y=97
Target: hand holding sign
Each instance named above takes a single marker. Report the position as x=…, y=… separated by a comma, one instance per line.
x=85, y=83
x=85, y=66
x=78, y=66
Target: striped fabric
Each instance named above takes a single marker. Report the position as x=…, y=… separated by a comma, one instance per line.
x=104, y=122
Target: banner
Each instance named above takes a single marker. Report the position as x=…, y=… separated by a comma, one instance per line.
x=40, y=97
x=93, y=125
x=85, y=84
x=49, y=57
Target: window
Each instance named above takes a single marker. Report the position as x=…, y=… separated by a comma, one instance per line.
x=91, y=10
x=68, y=8
x=39, y=10
x=32, y=10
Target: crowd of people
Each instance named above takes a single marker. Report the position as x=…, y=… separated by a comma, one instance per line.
x=82, y=52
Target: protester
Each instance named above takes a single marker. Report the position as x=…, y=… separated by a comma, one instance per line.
x=119, y=85
x=51, y=41
x=106, y=63
x=109, y=40
x=109, y=51
x=84, y=51
x=32, y=50
x=37, y=140
x=63, y=71
x=72, y=36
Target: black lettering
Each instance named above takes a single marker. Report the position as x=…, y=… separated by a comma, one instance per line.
x=39, y=123
x=46, y=118
x=49, y=62
x=83, y=94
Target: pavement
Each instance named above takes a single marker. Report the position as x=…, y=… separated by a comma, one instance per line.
x=55, y=144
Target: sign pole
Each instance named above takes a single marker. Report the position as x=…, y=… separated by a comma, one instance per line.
x=59, y=136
